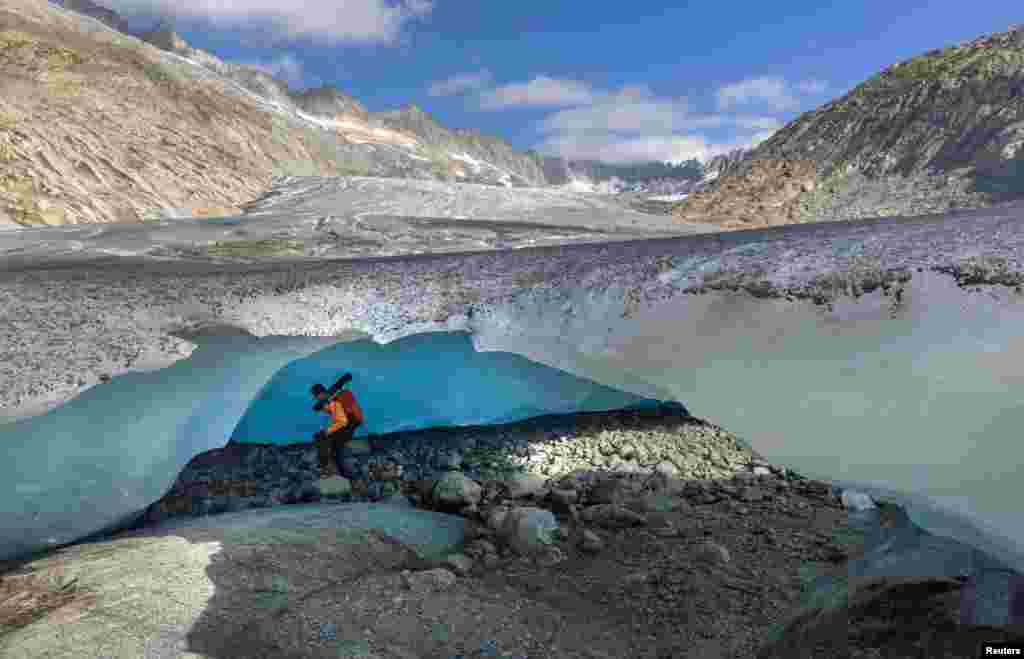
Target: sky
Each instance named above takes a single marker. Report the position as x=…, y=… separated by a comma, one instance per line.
x=613, y=81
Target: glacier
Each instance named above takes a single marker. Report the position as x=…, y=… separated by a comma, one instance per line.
x=883, y=352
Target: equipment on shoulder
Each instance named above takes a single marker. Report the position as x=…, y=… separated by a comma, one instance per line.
x=335, y=388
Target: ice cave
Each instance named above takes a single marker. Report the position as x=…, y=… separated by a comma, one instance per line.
x=916, y=396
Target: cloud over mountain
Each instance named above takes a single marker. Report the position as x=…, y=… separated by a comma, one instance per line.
x=330, y=21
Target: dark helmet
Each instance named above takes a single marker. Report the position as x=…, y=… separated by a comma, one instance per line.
x=318, y=389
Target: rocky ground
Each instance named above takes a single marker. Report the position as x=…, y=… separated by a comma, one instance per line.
x=643, y=533
x=854, y=196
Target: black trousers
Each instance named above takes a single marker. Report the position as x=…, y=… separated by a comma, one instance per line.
x=328, y=446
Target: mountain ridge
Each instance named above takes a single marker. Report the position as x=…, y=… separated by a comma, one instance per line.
x=187, y=134
x=939, y=131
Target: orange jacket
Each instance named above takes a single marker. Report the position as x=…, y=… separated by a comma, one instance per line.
x=338, y=417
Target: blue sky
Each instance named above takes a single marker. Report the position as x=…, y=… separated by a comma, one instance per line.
x=615, y=81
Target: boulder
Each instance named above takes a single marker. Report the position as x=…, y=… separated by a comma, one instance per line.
x=529, y=530
x=751, y=494
x=607, y=491
x=456, y=490
x=561, y=500
x=428, y=581
x=524, y=485
x=590, y=542
x=460, y=564
x=612, y=516
x=495, y=518
x=713, y=553
x=334, y=487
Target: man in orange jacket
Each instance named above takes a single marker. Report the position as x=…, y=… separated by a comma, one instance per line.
x=346, y=417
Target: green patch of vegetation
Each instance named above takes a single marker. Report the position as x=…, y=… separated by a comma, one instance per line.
x=255, y=248
x=354, y=168
x=439, y=160
x=157, y=73
x=960, y=62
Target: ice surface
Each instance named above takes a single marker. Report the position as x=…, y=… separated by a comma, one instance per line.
x=422, y=381
x=119, y=446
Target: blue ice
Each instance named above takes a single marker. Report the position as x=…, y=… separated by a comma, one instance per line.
x=117, y=447
x=421, y=381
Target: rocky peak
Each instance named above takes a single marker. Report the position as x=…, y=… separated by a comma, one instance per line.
x=726, y=163
x=328, y=101
x=164, y=37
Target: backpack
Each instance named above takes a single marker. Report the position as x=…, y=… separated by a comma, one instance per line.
x=351, y=407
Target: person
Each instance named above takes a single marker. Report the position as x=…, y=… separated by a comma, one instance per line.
x=345, y=418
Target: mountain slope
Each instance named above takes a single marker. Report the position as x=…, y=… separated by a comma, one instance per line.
x=942, y=130
x=184, y=134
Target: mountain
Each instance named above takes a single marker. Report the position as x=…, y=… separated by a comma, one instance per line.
x=466, y=154
x=93, y=10
x=612, y=178
x=186, y=133
x=942, y=130
x=724, y=164
x=452, y=154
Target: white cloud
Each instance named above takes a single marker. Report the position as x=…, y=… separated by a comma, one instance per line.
x=542, y=91
x=330, y=21
x=774, y=92
x=610, y=148
x=460, y=84
x=769, y=90
x=812, y=87
x=287, y=68
x=633, y=124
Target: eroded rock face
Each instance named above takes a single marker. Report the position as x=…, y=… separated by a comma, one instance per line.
x=767, y=194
